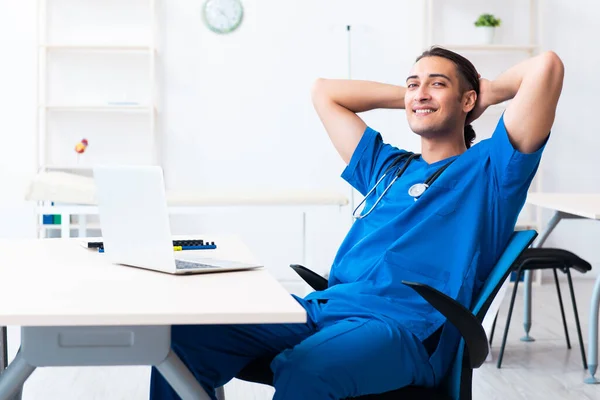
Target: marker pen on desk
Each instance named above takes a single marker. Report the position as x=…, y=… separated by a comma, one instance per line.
x=205, y=247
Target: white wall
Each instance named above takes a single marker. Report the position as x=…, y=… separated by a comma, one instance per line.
x=17, y=115
x=246, y=114
x=571, y=161
x=236, y=110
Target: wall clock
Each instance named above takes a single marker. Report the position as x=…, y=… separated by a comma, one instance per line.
x=223, y=16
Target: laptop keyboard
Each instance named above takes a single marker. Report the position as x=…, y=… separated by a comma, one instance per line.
x=181, y=264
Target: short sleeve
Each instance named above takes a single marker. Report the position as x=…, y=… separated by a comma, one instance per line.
x=369, y=159
x=513, y=170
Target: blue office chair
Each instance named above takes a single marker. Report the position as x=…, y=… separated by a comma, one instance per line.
x=472, y=350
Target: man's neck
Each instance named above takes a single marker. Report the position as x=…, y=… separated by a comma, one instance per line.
x=434, y=150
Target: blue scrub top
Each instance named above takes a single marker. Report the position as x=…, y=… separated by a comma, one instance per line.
x=449, y=238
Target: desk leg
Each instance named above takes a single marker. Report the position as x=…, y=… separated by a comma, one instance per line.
x=13, y=378
x=4, y=358
x=593, y=331
x=3, y=349
x=527, y=292
x=180, y=378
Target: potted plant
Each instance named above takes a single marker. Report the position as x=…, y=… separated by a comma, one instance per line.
x=486, y=24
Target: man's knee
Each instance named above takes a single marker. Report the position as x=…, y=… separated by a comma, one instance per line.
x=300, y=376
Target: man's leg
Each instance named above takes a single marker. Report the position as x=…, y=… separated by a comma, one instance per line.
x=216, y=353
x=350, y=358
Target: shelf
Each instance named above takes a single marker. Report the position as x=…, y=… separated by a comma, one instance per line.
x=489, y=47
x=112, y=48
x=101, y=108
x=72, y=225
x=82, y=170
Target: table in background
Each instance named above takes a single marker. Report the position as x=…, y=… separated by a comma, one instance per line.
x=568, y=206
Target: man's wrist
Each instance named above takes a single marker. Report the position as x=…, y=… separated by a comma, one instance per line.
x=401, y=90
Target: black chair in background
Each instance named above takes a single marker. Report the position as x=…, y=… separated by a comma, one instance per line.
x=546, y=259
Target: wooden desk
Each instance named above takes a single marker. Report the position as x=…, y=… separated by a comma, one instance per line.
x=568, y=206
x=76, y=308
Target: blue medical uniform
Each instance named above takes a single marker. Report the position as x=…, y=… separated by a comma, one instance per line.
x=365, y=332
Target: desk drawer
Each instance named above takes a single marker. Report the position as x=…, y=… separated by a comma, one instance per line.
x=95, y=345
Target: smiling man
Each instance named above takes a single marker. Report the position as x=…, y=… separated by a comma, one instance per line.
x=441, y=218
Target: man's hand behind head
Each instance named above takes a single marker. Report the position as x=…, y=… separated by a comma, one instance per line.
x=484, y=100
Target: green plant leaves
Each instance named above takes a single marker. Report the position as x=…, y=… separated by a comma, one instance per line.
x=487, y=20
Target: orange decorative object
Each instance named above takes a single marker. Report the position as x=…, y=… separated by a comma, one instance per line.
x=81, y=146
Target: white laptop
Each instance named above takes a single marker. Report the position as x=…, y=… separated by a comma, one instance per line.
x=134, y=220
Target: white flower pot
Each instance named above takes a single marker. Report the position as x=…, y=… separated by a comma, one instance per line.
x=486, y=34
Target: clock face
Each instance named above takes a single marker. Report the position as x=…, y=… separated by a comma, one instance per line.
x=223, y=16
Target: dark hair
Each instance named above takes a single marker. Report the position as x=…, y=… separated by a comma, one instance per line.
x=467, y=74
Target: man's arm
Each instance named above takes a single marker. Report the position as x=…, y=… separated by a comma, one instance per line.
x=534, y=86
x=338, y=101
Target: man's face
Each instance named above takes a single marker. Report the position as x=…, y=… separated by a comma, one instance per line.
x=433, y=98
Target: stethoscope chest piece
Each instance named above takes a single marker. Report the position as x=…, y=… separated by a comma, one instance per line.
x=417, y=190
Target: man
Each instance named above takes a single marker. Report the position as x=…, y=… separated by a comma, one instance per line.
x=368, y=333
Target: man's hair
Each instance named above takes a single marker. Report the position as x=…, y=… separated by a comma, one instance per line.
x=469, y=79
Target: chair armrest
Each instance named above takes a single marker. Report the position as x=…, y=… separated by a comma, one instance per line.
x=315, y=280
x=467, y=324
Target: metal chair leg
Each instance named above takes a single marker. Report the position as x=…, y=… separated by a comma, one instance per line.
x=493, y=328
x=510, y=310
x=562, y=310
x=576, y=318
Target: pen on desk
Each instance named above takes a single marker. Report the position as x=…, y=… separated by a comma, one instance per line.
x=205, y=247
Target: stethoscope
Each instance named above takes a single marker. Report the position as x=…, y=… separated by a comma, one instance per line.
x=415, y=191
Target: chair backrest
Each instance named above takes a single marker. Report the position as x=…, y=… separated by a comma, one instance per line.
x=458, y=383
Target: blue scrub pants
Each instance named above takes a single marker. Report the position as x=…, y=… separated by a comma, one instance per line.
x=322, y=359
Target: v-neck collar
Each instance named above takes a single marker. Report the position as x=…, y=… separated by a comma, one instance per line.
x=437, y=163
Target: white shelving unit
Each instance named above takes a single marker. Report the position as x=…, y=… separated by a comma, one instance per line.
x=47, y=109
x=91, y=109
x=531, y=48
